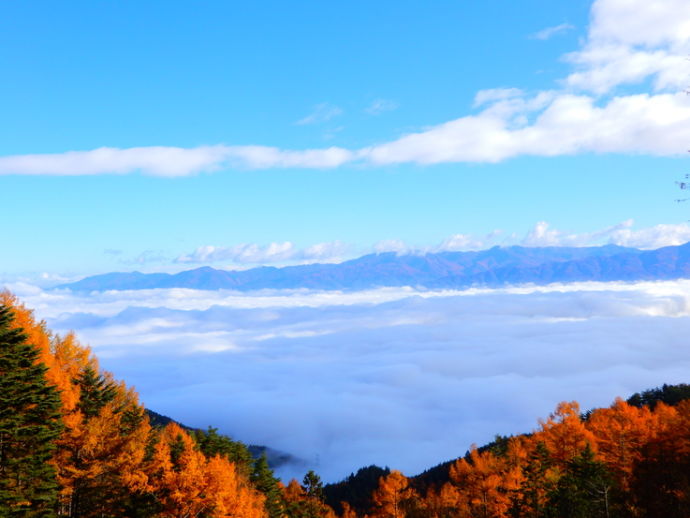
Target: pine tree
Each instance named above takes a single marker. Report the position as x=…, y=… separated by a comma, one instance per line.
x=312, y=485
x=538, y=482
x=263, y=479
x=29, y=425
x=585, y=489
x=96, y=391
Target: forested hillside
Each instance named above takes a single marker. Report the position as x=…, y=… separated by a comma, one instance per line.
x=75, y=442
x=629, y=460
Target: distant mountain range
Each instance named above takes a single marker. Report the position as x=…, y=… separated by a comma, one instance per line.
x=498, y=266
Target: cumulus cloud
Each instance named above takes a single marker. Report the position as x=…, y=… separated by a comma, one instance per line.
x=550, y=32
x=621, y=234
x=395, y=377
x=543, y=234
x=629, y=41
x=652, y=237
x=252, y=253
x=570, y=124
x=321, y=113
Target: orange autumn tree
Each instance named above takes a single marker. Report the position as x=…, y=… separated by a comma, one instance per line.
x=102, y=457
x=393, y=496
x=564, y=434
x=441, y=502
x=621, y=431
x=306, y=500
x=485, y=483
x=100, y=452
x=186, y=484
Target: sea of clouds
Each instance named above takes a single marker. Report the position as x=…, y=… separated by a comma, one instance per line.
x=394, y=377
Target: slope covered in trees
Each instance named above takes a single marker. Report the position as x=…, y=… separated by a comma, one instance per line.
x=74, y=442
x=628, y=460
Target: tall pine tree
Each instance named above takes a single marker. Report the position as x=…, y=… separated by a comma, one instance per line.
x=29, y=425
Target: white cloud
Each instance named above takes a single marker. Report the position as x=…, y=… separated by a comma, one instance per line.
x=654, y=237
x=243, y=253
x=550, y=32
x=542, y=234
x=606, y=66
x=640, y=22
x=379, y=106
x=492, y=95
x=393, y=245
x=261, y=157
x=631, y=40
x=321, y=113
x=570, y=124
x=252, y=253
x=330, y=251
x=621, y=234
x=157, y=161
x=395, y=376
x=169, y=161
x=464, y=242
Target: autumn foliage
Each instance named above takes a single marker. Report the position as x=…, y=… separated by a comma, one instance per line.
x=627, y=460
x=621, y=461
x=109, y=461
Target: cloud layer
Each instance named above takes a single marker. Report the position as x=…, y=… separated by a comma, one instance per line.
x=394, y=377
x=629, y=43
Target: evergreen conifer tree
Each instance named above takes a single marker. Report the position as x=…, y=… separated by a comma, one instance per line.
x=263, y=479
x=584, y=491
x=29, y=425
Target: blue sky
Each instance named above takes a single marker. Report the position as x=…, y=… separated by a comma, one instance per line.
x=274, y=132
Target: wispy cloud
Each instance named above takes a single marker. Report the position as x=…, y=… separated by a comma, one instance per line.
x=379, y=106
x=321, y=113
x=252, y=253
x=550, y=32
x=493, y=95
x=148, y=257
x=170, y=161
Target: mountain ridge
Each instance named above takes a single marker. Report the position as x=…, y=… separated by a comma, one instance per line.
x=494, y=267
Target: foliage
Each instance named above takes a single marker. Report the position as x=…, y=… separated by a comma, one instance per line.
x=669, y=394
x=29, y=425
x=356, y=490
